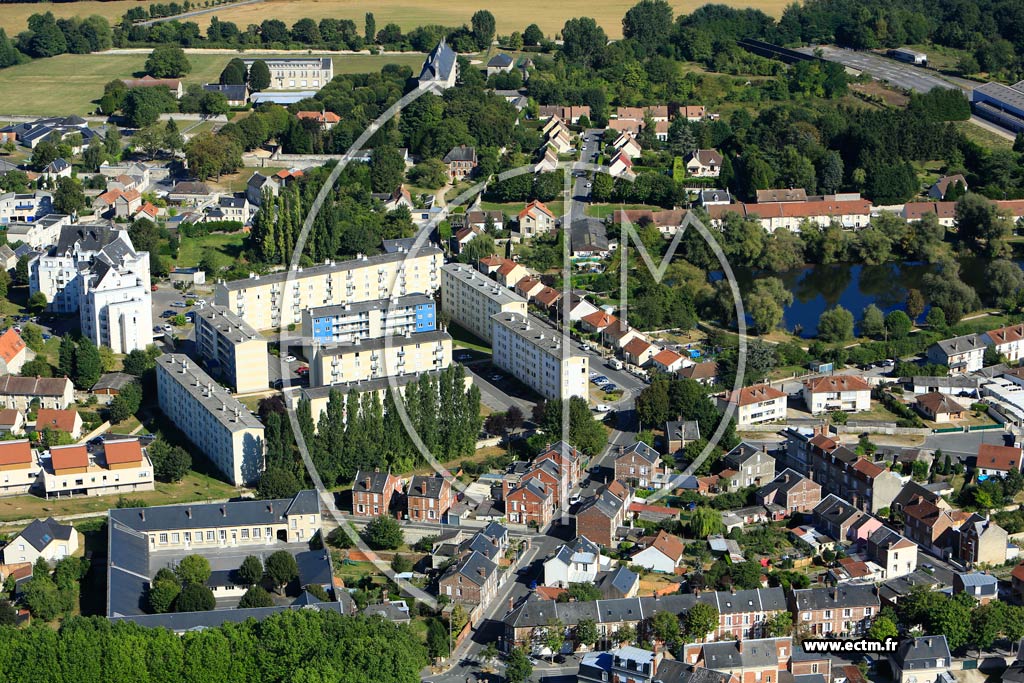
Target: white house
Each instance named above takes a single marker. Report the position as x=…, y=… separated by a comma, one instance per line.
x=621, y=166
x=669, y=361
x=536, y=219
x=662, y=555
x=704, y=163
x=1008, y=341
x=848, y=393
x=755, y=404
x=961, y=354
x=47, y=538
x=997, y=461
x=576, y=562
x=628, y=144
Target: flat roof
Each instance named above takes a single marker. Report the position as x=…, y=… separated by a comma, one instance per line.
x=228, y=324
x=488, y=287
x=407, y=301
x=377, y=343
x=1003, y=93
x=534, y=331
x=212, y=396
x=326, y=268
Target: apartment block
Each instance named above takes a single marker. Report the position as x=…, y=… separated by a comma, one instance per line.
x=278, y=300
x=289, y=73
x=232, y=350
x=349, y=323
x=380, y=357
x=755, y=404
x=847, y=393
x=533, y=353
x=212, y=419
x=471, y=300
x=19, y=468
x=114, y=467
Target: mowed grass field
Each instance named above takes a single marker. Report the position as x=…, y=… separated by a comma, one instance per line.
x=510, y=16
x=70, y=84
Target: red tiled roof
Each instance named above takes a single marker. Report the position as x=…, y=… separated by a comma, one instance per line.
x=15, y=452
x=1005, y=335
x=534, y=206
x=637, y=346
x=667, y=357
x=808, y=209
x=11, y=344
x=916, y=210
x=754, y=394
x=8, y=417
x=121, y=452
x=992, y=457
x=868, y=468
x=837, y=383
x=670, y=545
x=599, y=319
x=1018, y=572
x=507, y=267
x=68, y=457
x=547, y=296
x=64, y=420
x=322, y=117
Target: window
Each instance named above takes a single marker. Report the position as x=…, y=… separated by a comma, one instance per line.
x=163, y=538
x=245, y=534
x=223, y=535
x=256, y=532
x=175, y=538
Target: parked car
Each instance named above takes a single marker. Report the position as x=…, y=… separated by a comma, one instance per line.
x=153, y=288
x=289, y=358
x=302, y=370
x=609, y=388
x=178, y=304
x=602, y=407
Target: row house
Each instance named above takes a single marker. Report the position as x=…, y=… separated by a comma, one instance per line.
x=372, y=493
x=639, y=465
x=472, y=580
x=750, y=466
x=761, y=660
x=428, y=499
x=851, y=214
x=530, y=504
x=600, y=516
x=867, y=485
x=836, y=517
x=791, y=491
x=845, y=610
x=896, y=554
x=930, y=526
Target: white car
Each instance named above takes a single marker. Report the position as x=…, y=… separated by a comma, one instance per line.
x=168, y=328
x=602, y=407
x=289, y=358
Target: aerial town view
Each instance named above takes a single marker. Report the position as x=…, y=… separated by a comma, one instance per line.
x=638, y=341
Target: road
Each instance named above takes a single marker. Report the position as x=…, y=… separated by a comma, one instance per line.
x=197, y=12
x=882, y=68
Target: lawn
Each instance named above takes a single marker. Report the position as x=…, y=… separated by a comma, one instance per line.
x=983, y=136
x=605, y=210
x=194, y=487
x=228, y=245
x=463, y=338
x=69, y=84
x=513, y=208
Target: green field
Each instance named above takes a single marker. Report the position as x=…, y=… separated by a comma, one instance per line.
x=228, y=246
x=70, y=84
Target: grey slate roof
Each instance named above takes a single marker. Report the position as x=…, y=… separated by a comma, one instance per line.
x=500, y=61
x=606, y=503
x=674, y=671
x=784, y=482
x=741, y=454
x=378, y=481
x=922, y=653
x=685, y=430
x=622, y=579
x=40, y=533
x=234, y=93
x=474, y=567
x=433, y=486
x=588, y=235
x=196, y=621
x=755, y=653
x=580, y=544
x=113, y=380
x=847, y=595
x=213, y=515
x=439, y=63
x=643, y=450
x=460, y=153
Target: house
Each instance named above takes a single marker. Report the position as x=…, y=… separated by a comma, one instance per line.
x=618, y=583
x=844, y=611
x=704, y=163
x=705, y=373
x=428, y=498
x=639, y=351
x=189, y=193
x=236, y=95
x=536, y=219
x=19, y=467
x=372, y=493
x=639, y=465
x=869, y=486
x=529, y=286
x=324, y=119
x=922, y=660
x=48, y=539
x=599, y=517
x=579, y=561
x=692, y=112
x=67, y=421
x=12, y=423
x=1008, y=341
x=847, y=393
x=939, y=407
x=147, y=81
x=399, y=198
x=13, y=352
x=997, y=461
x=530, y=504
x=121, y=466
x=51, y=392
x=568, y=460
x=8, y=259
x=628, y=144
x=663, y=553
x=548, y=161
x=570, y=113
x=618, y=336
x=472, y=580
x=678, y=433
x=929, y=526
x=621, y=166
x=835, y=517
x=110, y=384
x=461, y=162
x=597, y=321
x=668, y=361
x=791, y=491
x=943, y=185
x=746, y=661
x=441, y=68
x=755, y=404
x=961, y=354
x=896, y=554
x=547, y=297
x=31, y=133
x=714, y=198
x=624, y=664
x=981, y=541
x=58, y=168
x=981, y=586
x=560, y=139
x=752, y=465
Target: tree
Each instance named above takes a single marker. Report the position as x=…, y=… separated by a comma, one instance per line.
x=370, y=26
x=401, y=564
x=554, y=637
x=979, y=221
x=699, y=621
x=665, y=627
x=915, y=304
x=583, y=592
x=256, y=596
x=779, y=625
x=705, y=521
x=532, y=35
x=44, y=153
x=649, y=24
x=150, y=139
x=882, y=628
x=383, y=533
x=193, y=569
x=387, y=168
x=45, y=37
x=143, y=106
x=583, y=41
x=872, y=324
x=212, y=155
x=138, y=361
x=251, y=570
x=898, y=324
x=518, y=668
x=586, y=632
x=835, y=325
x=88, y=365
x=170, y=463
x=259, y=76
x=126, y=403
x=42, y=597
x=482, y=25
x=161, y=596
x=767, y=302
x=172, y=139
x=195, y=597
x=936, y=318
x=234, y=73
x=167, y=61
x=282, y=568
x=37, y=304
x=8, y=615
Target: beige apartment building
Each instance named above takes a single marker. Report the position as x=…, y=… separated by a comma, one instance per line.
x=380, y=357
x=19, y=467
x=115, y=467
x=278, y=300
x=232, y=349
x=471, y=299
x=533, y=353
x=211, y=418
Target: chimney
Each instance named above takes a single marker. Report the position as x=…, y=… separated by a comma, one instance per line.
x=423, y=487
x=384, y=595
x=481, y=571
x=188, y=512
x=223, y=511
x=835, y=592
x=739, y=645
x=270, y=508
x=366, y=483
x=142, y=514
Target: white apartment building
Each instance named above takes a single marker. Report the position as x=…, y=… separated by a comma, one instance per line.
x=212, y=419
x=1008, y=341
x=533, y=353
x=231, y=349
x=380, y=357
x=278, y=300
x=961, y=354
x=121, y=466
x=116, y=308
x=471, y=300
x=24, y=207
x=848, y=393
x=289, y=73
x=755, y=404
x=40, y=233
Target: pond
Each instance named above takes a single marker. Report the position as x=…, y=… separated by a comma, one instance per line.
x=816, y=288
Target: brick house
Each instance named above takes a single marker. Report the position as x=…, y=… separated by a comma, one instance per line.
x=845, y=610
x=640, y=466
x=461, y=162
x=472, y=580
x=835, y=517
x=929, y=526
x=547, y=476
x=531, y=504
x=599, y=517
x=372, y=493
x=428, y=498
x=981, y=541
x=791, y=491
x=760, y=660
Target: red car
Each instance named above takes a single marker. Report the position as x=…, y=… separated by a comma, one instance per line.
x=302, y=370
x=153, y=288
